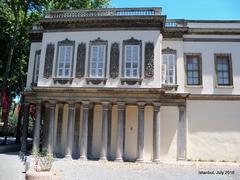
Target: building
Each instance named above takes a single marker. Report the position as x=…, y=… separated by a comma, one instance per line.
x=130, y=84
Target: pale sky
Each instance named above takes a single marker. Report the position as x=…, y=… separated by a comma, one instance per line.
x=189, y=9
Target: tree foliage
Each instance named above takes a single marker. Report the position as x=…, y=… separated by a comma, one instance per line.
x=16, y=20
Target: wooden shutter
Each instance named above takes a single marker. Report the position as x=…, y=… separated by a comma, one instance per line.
x=149, y=60
x=48, y=61
x=81, y=56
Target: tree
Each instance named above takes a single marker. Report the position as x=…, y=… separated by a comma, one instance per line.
x=16, y=19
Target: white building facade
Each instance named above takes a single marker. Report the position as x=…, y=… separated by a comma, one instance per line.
x=130, y=84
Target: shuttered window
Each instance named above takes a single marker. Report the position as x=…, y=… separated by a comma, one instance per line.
x=132, y=61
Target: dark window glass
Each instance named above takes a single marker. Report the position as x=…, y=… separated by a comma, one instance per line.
x=193, y=70
x=223, y=70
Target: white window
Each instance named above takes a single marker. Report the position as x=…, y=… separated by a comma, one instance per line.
x=132, y=60
x=169, y=69
x=65, y=55
x=37, y=63
x=97, y=60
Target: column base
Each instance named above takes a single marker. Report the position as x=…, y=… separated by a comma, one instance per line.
x=103, y=159
x=140, y=160
x=156, y=161
x=118, y=160
x=83, y=158
x=68, y=157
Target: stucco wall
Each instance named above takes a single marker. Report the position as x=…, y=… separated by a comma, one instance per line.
x=213, y=130
x=111, y=37
x=169, y=125
x=207, y=51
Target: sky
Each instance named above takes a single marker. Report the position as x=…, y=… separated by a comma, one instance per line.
x=189, y=9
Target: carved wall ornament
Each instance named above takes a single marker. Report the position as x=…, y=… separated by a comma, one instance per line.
x=168, y=50
x=114, y=61
x=81, y=56
x=98, y=41
x=48, y=66
x=149, y=60
x=66, y=42
x=132, y=41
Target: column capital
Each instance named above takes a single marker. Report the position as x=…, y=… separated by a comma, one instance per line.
x=141, y=104
x=121, y=105
x=156, y=106
x=71, y=104
x=85, y=104
x=182, y=108
x=60, y=104
x=106, y=105
x=52, y=103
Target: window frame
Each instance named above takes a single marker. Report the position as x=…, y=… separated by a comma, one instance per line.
x=97, y=62
x=131, y=62
x=169, y=51
x=132, y=42
x=199, y=55
x=230, y=70
x=97, y=42
x=37, y=53
x=63, y=43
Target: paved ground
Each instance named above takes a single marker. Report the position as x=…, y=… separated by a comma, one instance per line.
x=12, y=168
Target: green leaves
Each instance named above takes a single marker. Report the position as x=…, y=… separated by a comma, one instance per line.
x=16, y=19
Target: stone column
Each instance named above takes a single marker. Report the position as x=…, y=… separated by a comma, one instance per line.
x=37, y=127
x=70, y=128
x=156, y=132
x=25, y=129
x=58, y=151
x=45, y=126
x=120, y=131
x=140, y=139
x=76, y=131
x=181, y=138
x=52, y=108
x=84, y=132
x=105, y=124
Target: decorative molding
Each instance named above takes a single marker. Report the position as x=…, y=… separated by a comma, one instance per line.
x=96, y=81
x=114, y=61
x=168, y=50
x=48, y=61
x=131, y=81
x=169, y=87
x=66, y=42
x=62, y=80
x=149, y=60
x=98, y=41
x=81, y=57
x=132, y=41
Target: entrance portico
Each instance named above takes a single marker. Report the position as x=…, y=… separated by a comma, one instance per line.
x=79, y=115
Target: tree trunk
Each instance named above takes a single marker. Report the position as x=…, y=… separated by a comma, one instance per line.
x=8, y=68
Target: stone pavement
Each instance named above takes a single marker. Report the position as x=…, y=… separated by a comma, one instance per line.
x=12, y=168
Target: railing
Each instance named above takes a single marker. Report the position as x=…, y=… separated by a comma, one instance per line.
x=37, y=26
x=175, y=23
x=104, y=12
